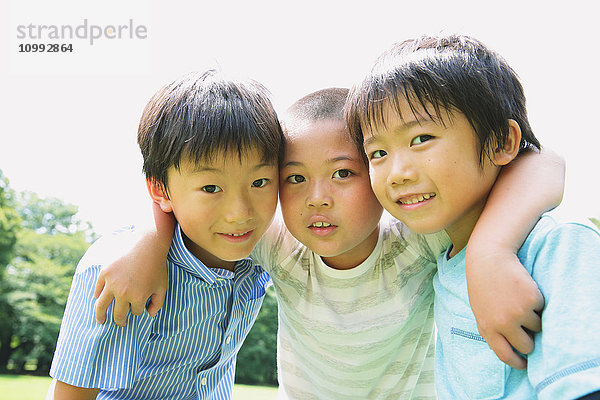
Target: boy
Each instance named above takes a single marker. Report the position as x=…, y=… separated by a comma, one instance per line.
x=210, y=147
x=439, y=117
x=354, y=290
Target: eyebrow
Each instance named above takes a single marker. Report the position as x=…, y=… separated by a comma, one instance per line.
x=329, y=161
x=205, y=168
x=405, y=126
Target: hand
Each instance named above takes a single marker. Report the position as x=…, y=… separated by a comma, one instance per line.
x=130, y=280
x=506, y=303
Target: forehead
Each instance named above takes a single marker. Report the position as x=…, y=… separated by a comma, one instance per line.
x=317, y=138
x=226, y=159
x=403, y=113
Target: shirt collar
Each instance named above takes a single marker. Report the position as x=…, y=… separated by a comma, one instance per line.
x=183, y=258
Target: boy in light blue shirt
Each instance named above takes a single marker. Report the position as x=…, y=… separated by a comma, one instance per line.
x=210, y=147
x=438, y=118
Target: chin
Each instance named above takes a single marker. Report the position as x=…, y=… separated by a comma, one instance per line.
x=423, y=229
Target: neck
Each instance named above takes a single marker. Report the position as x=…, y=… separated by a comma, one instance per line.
x=356, y=256
x=208, y=259
x=460, y=231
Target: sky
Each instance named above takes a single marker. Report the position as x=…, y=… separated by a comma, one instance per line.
x=69, y=119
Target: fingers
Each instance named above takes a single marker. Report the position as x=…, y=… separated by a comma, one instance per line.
x=104, y=300
x=521, y=340
x=138, y=307
x=156, y=302
x=505, y=352
x=532, y=322
x=539, y=303
x=99, y=285
x=120, y=311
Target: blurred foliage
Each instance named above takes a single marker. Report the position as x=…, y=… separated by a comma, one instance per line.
x=257, y=359
x=10, y=224
x=596, y=221
x=46, y=242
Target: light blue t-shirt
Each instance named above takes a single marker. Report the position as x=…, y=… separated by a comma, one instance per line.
x=564, y=261
x=187, y=351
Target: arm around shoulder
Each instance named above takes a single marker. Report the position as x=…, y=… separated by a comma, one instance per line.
x=503, y=297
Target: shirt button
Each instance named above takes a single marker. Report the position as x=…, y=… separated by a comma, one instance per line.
x=203, y=381
x=228, y=339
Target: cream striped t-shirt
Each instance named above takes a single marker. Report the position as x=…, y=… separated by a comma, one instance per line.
x=363, y=333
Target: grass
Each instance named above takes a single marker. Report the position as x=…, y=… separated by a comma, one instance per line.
x=23, y=387
x=27, y=387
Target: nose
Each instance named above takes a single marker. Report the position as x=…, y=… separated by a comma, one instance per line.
x=239, y=209
x=319, y=196
x=402, y=170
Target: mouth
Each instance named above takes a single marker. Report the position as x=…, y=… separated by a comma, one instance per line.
x=237, y=236
x=322, y=228
x=415, y=199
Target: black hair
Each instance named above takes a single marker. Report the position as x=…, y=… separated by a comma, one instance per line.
x=443, y=73
x=324, y=104
x=202, y=115
x=320, y=105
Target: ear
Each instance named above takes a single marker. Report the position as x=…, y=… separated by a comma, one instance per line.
x=505, y=154
x=159, y=196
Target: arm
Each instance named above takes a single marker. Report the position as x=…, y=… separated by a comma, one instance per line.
x=138, y=275
x=62, y=391
x=504, y=298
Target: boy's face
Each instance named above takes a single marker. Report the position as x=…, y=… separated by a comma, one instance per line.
x=428, y=175
x=326, y=198
x=224, y=206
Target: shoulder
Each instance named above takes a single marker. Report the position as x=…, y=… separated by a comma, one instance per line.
x=561, y=248
x=276, y=245
x=395, y=234
x=554, y=230
x=108, y=248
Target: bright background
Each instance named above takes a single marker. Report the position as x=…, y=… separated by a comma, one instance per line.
x=69, y=120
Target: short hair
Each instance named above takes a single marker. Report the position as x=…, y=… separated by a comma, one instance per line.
x=324, y=104
x=320, y=105
x=446, y=73
x=202, y=115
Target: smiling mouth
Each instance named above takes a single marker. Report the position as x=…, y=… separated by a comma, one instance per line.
x=237, y=234
x=414, y=199
x=237, y=237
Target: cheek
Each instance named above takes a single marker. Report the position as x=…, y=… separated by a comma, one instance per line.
x=378, y=181
x=288, y=203
x=366, y=200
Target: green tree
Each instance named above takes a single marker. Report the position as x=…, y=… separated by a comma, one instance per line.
x=10, y=224
x=48, y=248
x=257, y=359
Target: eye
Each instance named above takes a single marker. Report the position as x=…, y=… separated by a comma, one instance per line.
x=211, y=189
x=260, y=182
x=421, y=139
x=342, y=173
x=378, y=154
x=295, y=179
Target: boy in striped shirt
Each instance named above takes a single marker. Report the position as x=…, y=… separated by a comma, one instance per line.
x=210, y=147
x=354, y=288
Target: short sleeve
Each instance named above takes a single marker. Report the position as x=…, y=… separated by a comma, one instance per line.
x=566, y=360
x=94, y=355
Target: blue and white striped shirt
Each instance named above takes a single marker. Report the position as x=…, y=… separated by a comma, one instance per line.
x=187, y=351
